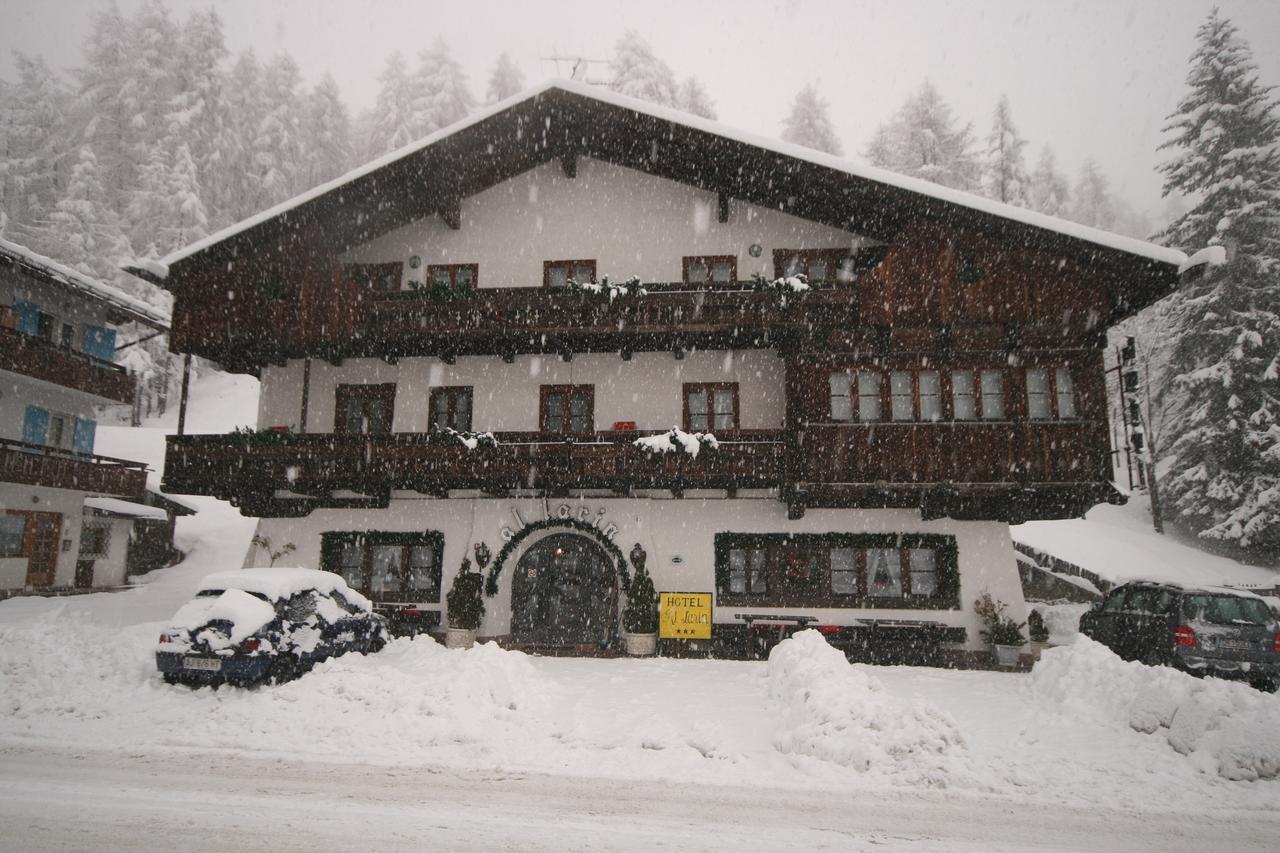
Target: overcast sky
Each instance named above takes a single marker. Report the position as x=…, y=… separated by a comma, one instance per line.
x=1087, y=76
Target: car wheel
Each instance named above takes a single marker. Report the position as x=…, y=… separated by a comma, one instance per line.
x=170, y=678
x=284, y=667
x=1154, y=657
x=1266, y=685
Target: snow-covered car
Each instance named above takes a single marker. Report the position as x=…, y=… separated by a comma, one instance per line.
x=267, y=624
x=1216, y=631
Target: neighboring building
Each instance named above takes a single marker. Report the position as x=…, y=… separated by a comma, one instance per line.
x=877, y=433
x=122, y=538
x=57, y=350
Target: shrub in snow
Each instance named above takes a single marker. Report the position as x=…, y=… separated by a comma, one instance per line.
x=450, y=437
x=465, y=599
x=836, y=712
x=442, y=291
x=641, y=613
x=1001, y=630
x=691, y=443
x=603, y=287
x=784, y=286
x=1223, y=727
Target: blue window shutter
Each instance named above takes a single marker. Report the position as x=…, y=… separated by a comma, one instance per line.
x=28, y=317
x=100, y=342
x=82, y=439
x=35, y=425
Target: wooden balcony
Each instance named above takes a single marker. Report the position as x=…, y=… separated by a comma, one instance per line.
x=40, y=359
x=319, y=467
x=36, y=465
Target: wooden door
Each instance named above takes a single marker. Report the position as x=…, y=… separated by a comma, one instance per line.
x=84, y=574
x=41, y=541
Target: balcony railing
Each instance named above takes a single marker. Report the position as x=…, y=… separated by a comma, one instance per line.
x=258, y=466
x=37, y=465
x=40, y=359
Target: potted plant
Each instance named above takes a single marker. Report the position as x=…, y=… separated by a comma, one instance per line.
x=640, y=618
x=1002, y=632
x=466, y=607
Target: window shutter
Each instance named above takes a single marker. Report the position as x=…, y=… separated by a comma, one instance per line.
x=28, y=317
x=35, y=425
x=100, y=342
x=82, y=439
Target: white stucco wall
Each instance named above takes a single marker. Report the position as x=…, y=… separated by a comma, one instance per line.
x=109, y=570
x=38, y=499
x=668, y=529
x=631, y=223
x=646, y=389
x=17, y=392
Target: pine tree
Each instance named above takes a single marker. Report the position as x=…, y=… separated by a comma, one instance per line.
x=441, y=93
x=505, y=80
x=328, y=134
x=33, y=118
x=83, y=232
x=1091, y=202
x=1049, y=192
x=639, y=73
x=390, y=123
x=809, y=125
x=199, y=115
x=693, y=99
x=923, y=141
x=1006, y=176
x=232, y=188
x=1224, y=481
x=278, y=152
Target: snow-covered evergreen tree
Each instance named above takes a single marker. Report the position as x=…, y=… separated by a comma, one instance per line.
x=441, y=95
x=639, y=73
x=327, y=134
x=198, y=116
x=1005, y=176
x=1049, y=192
x=505, y=80
x=278, y=150
x=1224, y=480
x=233, y=191
x=83, y=231
x=30, y=176
x=389, y=125
x=923, y=140
x=808, y=124
x=1091, y=202
x=693, y=98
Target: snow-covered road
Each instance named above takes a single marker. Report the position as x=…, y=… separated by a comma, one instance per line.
x=52, y=799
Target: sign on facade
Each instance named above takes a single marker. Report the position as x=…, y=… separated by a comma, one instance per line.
x=685, y=616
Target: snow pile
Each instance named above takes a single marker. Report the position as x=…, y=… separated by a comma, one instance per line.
x=278, y=583
x=1214, y=256
x=1222, y=727
x=842, y=714
x=603, y=287
x=691, y=443
x=246, y=614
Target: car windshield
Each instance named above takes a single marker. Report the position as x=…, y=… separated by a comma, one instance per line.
x=214, y=593
x=1226, y=610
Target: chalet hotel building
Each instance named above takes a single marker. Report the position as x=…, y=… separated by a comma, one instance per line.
x=940, y=378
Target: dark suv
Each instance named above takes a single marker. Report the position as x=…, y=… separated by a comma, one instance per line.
x=1200, y=630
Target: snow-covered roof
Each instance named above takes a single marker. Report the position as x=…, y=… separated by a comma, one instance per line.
x=1117, y=242
x=136, y=309
x=116, y=506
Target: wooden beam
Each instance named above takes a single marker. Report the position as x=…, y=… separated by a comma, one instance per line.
x=449, y=358
x=569, y=164
x=724, y=206
x=182, y=396
x=306, y=393
x=451, y=213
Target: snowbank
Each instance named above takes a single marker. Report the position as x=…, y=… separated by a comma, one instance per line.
x=835, y=712
x=1222, y=727
x=691, y=443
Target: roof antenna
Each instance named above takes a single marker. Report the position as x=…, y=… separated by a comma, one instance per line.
x=580, y=68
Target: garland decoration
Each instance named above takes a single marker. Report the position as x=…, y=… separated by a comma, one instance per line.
x=614, y=552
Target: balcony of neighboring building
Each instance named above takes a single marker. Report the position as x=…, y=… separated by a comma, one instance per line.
x=32, y=464
x=47, y=352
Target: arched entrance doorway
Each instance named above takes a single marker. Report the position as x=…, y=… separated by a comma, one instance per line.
x=563, y=593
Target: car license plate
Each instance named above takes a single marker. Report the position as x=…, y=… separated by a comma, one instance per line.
x=1236, y=645
x=206, y=664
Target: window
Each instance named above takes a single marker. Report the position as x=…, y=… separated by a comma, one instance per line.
x=817, y=265
x=841, y=404
x=964, y=404
x=387, y=566
x=556, y=274
x=380, y=278
x=46, y=327
x=1050, y=393
x=930, y=395
x=837, y=570
x=902, y=396
x=706, y=269
x=95, y=540
x=992, y=395
x=364, y=409
x=710, y=406
x=12, y=528
x=67, y=336
x=868, y=395
x=451, y=407
x=567, y=409
x=454, y=276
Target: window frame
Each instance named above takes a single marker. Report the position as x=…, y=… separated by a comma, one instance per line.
x=710, y=388
x=568, y=264
x=380, y=277
x=1051, y=372
x=452, y=270
x=544, y=391
x=333, y=541
x=818, y=591
x=834, y=258
x=345, y=394
x=710, y=260
x=451, y=393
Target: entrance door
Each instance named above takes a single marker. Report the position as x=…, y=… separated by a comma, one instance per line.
x=563, y=593
x=40, y=542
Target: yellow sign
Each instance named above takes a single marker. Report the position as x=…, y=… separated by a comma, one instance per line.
x=685, y=616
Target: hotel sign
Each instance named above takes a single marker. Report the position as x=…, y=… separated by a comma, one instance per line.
x=684, y=615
